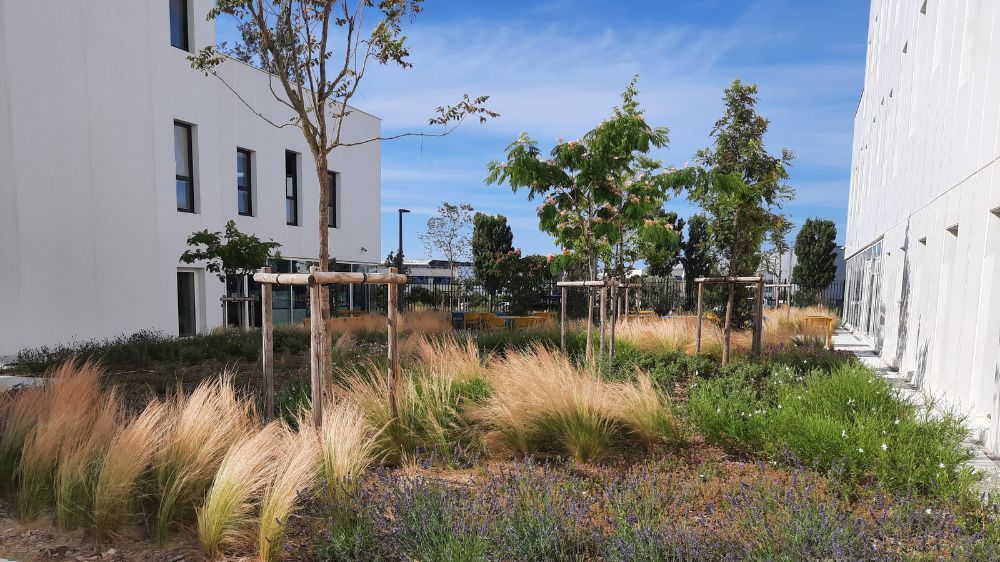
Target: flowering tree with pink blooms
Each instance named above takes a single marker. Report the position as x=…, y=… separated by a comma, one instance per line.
x=600, y=194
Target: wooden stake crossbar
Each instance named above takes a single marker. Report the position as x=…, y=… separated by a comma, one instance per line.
x=758, y=332
x=315, y=280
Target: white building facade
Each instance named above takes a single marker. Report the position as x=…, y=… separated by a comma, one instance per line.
x=113, y=150
x=923, y=234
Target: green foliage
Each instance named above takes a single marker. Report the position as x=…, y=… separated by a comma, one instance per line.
x=229, y=254
x=738, y=183
x=698, y=259
x=661, y=258
x=491, y=239
x=145, y=348
x=740, y=186
x=525, y=281
x=600, y=193
x=430, y=528
x=816, y=265
x=350, y=537
x=849, y=423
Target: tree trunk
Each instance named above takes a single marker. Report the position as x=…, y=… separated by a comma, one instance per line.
x=728, y=326
x=322, y=174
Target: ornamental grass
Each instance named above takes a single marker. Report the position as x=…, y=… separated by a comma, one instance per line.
x=227, y=515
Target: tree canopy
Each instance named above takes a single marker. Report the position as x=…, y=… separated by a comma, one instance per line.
x=601, y=192
x=230, y=253
x=815, y=252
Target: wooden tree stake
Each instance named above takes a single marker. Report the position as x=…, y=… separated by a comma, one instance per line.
x=267, y=339
x=604, y=315
x=697, y=338
x=316, y=348
x=562, y=321
x=392, y=325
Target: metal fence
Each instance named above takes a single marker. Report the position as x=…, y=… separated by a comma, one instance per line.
x=662, y=295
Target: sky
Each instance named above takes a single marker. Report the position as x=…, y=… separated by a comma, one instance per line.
x=556, y=68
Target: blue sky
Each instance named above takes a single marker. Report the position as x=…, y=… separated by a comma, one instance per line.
x=555, y=68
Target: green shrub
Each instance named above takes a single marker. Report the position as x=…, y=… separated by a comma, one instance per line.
x=350, y=537
x=849, y=420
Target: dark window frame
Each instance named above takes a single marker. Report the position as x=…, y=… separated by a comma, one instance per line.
x=189, y=180
x=331, y=206
x=248, y=188
x=294, y=197
x=185, y=39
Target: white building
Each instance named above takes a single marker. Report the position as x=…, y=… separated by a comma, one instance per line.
x=435, y=272
x=923, y=229
x=113, y=150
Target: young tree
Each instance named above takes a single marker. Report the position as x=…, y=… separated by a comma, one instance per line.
x=229, y=255
x=773, y=258
x=491, y=239
x=661, y=260
x=698, y=259
x=816, y=266
x=740, y=185
x=600, y=192
x=450, y=233
x=318, y=52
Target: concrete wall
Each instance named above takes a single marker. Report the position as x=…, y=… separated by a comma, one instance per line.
x=90, y=237
x=926, y=152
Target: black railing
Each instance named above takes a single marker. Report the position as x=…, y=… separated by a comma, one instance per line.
x=662, y=295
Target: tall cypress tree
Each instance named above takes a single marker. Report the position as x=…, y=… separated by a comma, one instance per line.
x=492, y=239
x=816, y=267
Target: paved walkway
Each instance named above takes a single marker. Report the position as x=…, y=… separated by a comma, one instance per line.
x=8, y=382
x=981, y=463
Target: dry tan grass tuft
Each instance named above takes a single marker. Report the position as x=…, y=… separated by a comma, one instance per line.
x=661, y=334
x=297, y=468
x=129, y=455
x=203, y=426
x=247, y=468
x=19, y=416
x=72, y=392
x=542, y=402
x=447, y=356
x=348, y=444
x=79, y=459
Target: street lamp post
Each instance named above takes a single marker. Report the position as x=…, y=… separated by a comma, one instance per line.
x=399, y=254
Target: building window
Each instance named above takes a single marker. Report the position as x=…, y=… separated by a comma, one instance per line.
x=179, y=24
x=185, y=169
x=953, y=230
x=291, y=188
x=186, y=308
x=331, y=207
x=244, y=183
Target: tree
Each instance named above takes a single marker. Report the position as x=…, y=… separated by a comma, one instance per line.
x=773, y=259
x=599, y=192
x=661, y=260
x=524, y=281
x=229, y=255
x=816, y=266
x=740, y=185
x=491, y=239
x=698, y=259
x=450, y=233
x=318, y=51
